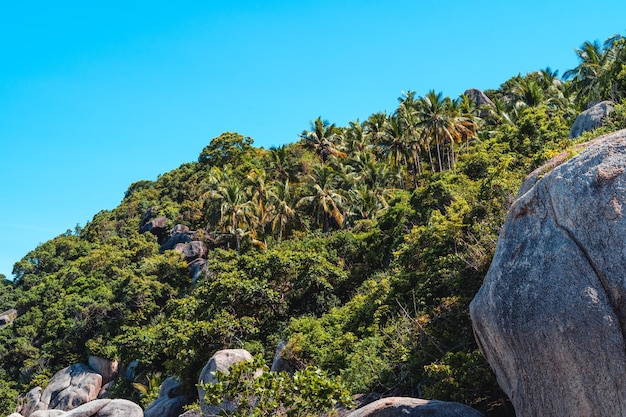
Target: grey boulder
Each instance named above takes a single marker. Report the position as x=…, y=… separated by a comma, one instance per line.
x=169, y=403
x=414, y=407
x=550, y=316
x=591, y=118
x=72, y=387
x=220, y=361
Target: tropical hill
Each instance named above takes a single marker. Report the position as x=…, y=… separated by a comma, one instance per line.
x=360, y=246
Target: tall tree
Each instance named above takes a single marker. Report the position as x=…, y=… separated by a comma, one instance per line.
x=321, y=138
x=235, y=209
x=324, y=200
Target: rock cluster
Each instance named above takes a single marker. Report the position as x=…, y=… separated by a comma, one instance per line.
x=550, y=317
x=70, y=388
x=180, y=239
x=96, y=408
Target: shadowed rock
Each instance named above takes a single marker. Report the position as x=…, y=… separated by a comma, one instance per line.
x=175, y=240
x=550, y=316
x=105, y=367
x=591, y=118
x=170, y=402
x=414, y=407
x=196, y=268
x=30, y=402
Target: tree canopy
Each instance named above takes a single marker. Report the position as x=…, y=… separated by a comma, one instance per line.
x=360, y=246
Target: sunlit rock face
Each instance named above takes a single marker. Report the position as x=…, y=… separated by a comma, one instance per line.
x=551, y=314
x=591, y=118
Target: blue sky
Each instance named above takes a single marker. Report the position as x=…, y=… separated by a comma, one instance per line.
x=97, y=95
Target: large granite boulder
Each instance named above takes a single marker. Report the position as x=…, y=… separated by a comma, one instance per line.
x=71, y=387
x=414, y=407
x=97, y=408
x=591, y=118
x=550, y=316
x=170, y=402
x=220, y=361
x=479, y=98
x=30, y=402
x=105, y=367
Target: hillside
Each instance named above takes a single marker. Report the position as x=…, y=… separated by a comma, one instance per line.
x=360, y=246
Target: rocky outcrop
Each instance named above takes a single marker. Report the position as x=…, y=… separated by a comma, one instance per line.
x=105, y=367
x=279, y=364
x=550, y=316
x=30, y=402
x=414, y=407
x=180, y=238
x=591, y=118
x=220, y=361
x=479, y=98
x=71, y=387
x=7, y=317
x=170, y=402
x=97, y=408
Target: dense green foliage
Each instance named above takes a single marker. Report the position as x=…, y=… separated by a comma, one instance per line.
x=361, y=246
x=252, y=390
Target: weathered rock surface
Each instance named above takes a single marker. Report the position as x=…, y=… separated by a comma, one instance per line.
x=169, y=403
x=105, y=367
x=30, y=402
x=71, y=387
x=591, y=118
x=278, y=363
x=196, y=268
x=478, y=97
x=191, y=413
x=550, y=316
x=414, y=407
x=97, y=408
x=7, y=317
x=220, y=361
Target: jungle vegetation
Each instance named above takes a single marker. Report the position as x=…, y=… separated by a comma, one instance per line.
x=361, y=246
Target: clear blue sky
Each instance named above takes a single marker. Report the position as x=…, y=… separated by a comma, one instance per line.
x=97, y=95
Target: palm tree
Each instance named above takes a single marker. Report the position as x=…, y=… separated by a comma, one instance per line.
x=407, y=115
x=434, y=120
x=587, y=77
x=283, y=216
x=281, y=164
x=259, y=194
x=396, y=145
x=235, y=209
x=440, y=119
x=375, y=128
x=324, y=200
x=365, y=203
x=321, y=138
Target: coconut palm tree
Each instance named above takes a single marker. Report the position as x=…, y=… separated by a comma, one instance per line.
x=281, y=165
x=322, y=139
x=324, y=201
x=396, y=146
x=283, y=216
x=235, y=209
x=435, y=121
x=586, y=78
x=375, y=128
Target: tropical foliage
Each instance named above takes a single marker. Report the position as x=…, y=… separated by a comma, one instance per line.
x=361, y=246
